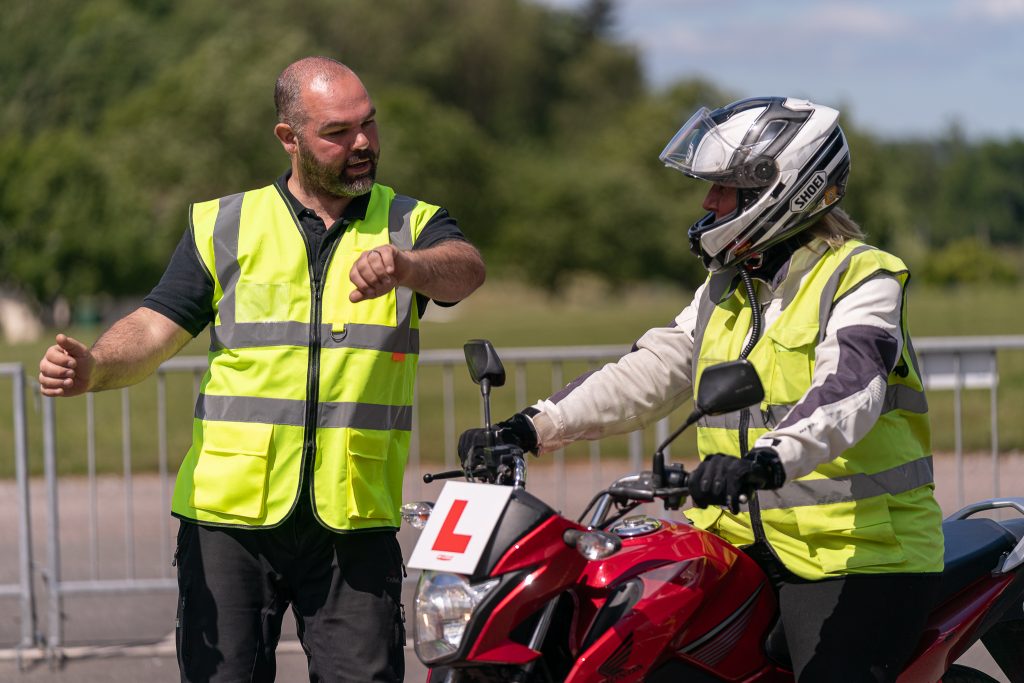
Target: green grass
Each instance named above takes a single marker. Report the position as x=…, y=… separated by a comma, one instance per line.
x=513, y=316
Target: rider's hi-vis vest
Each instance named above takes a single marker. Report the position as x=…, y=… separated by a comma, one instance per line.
x=872, y=508
x=294, y=363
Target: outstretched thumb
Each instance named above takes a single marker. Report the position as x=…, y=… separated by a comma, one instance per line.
x=72, y=346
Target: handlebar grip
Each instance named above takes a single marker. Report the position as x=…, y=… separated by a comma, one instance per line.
x=630, y=492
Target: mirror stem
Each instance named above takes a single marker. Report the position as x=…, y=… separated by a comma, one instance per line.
x=485, y=391
x=694, y=416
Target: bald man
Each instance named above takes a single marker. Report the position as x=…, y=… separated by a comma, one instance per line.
x=313, y=288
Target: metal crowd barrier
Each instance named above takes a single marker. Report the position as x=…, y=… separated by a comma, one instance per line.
x=955, y=364
x=23, y=589
x=959, y=363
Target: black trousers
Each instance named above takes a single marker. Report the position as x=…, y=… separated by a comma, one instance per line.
x=859, y=628
x=236, y=584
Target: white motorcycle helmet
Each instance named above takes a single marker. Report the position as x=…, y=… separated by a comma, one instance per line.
x=789, y=159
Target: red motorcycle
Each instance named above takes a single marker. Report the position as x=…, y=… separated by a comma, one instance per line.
x=513, y=591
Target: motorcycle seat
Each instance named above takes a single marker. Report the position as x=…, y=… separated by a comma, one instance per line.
x=973, y=549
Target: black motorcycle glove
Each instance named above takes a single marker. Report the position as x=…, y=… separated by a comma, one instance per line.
x=515, y=431
x=722, y=479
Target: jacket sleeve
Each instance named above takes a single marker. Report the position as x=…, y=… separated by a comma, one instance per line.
x=646, y=384
x=863, y=341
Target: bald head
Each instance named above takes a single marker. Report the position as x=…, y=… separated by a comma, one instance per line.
x=311, y=72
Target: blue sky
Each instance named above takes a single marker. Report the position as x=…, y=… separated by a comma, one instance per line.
x=902, y=67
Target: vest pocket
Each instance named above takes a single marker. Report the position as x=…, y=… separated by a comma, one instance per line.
x=368, y=492
x=846, y=536
x=793, y=363
x=258, y=302
x=231, y=472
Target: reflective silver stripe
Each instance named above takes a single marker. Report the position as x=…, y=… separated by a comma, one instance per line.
x=374, y=337
x=225, y=252
x=902, y=397
x=292, y=412
x=400, y=221
x=732, y=420
x=400, y=234
x=248, y=335
x=280, y=411
x=897, y=397
x=775, y=414
x=801, y=493
x=828, y=292
x=232, y=335
x=717, y=285
x=365, y=416
x=292, y=333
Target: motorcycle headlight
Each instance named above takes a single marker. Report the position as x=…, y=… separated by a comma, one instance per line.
x=444, y=606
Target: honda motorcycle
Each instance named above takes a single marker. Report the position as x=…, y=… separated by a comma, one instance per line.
x=511, y=590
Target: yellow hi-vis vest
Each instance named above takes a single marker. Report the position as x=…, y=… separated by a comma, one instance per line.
x=295, y=364
x=870, y=510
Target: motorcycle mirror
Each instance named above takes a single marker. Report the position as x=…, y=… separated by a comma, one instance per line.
x=724, y=388
x=728, y=387
x=484, y=364
x=486, y=370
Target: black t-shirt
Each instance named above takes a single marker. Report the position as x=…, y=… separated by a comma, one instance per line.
x=185, y=292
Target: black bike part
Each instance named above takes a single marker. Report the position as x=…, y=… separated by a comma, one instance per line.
x=557, y=659
x=450, y=474
x=675, y=670
x=1003, y=642
x=523, y=514
x=963, y=674
x=483, y=362
x=999, y=631
x=621, y=600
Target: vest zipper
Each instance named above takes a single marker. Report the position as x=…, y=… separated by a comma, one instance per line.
x=316, y=276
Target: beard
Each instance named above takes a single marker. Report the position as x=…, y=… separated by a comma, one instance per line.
x=320, y=178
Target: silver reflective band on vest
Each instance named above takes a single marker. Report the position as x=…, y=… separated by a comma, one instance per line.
x=230, y=334
x=355, y=336
x=225, y=251
x=799, y=493
x=292, y=412
x=828, y=292
x=897, y=397
x=774, y=415
x=902, y=397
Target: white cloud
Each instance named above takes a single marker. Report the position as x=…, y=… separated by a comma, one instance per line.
x=998, y=10
x=850, y=18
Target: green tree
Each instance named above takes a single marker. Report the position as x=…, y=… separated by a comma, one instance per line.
x=532, y=125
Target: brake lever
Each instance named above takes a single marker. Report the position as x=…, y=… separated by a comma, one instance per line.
x=450, y=474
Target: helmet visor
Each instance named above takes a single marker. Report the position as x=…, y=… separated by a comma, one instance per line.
x=715, y=152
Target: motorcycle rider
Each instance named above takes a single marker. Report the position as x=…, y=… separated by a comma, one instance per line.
x=846, y=523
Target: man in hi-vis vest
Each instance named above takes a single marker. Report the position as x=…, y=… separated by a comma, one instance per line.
x=313, y=288
x=846, y=524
